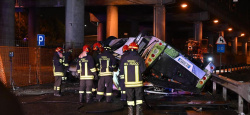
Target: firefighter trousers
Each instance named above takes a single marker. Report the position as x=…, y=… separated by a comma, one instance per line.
x=108, y=81
x=95, y=85
x=64, y=78
x=57, y=84
x=134, y=96
x=123, y=89
x=86, y=85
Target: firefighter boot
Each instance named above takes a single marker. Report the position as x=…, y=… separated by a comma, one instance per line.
x=130, y=110
x=139, y=110
x=81, y=97
x=57, y=93
x=109, y=99
x=54, y=92
x=89, y=98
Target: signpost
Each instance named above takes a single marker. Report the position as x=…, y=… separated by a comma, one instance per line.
x=221, y=47
x=40, y=42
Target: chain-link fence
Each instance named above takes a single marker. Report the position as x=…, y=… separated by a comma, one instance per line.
x=29, y=65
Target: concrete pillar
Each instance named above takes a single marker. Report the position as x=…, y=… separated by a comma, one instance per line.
x=244, y=48
x=33, y=26
x=112, y=21
x=234, y=45
x=74, y=23
x=99, y=32
x=7, y=22
x=160, y=22
x=198, y=31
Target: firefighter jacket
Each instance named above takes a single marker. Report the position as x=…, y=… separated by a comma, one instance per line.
x=86, y=67
x=66, y=58
x=121, y=73
x=107, y=63
x=57, y=65
x=95, y=56
x=133, y=66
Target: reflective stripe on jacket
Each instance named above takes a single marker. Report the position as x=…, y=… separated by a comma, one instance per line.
x=107, y=63
x=57, y=65
x=133, y=66
x=86, y=68
x=121, y=74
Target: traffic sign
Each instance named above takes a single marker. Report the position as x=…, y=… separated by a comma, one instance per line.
x=220, y=48
x=221, y=40
x=40, y=40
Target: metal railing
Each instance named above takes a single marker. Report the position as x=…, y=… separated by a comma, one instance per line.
x=241, y=88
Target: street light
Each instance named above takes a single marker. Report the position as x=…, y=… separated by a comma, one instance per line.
x=230, y=29
x=242, y=34
x=184, y=5
x=216, y=21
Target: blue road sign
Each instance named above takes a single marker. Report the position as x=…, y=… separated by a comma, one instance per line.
x=220, y=48
x=40, y=40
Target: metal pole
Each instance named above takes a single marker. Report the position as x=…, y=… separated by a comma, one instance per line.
x=29, y=73
x=11, y=80
x=220, y=63
x=240, y=105
x=11, y=71
x=38, y=66
x=225, y=93
x=214, y=88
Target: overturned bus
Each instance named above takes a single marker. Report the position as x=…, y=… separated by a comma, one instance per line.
x=166, y=66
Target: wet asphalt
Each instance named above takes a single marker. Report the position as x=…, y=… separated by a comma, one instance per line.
x=39, y=100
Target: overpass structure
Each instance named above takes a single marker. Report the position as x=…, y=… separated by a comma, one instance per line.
x=159, y=17
x=74, y=17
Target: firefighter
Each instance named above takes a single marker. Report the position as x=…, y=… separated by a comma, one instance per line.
x=58, y=70
x=133, y=66
x=66, y=60
x=125, y=50
x=87, y=70
x=97, y=49
x=107, y=64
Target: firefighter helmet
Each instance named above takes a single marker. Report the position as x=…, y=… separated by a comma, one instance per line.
x=133, y=45
x=59, y=49
x=97, y=46
x=125, y=48
x=85, y=48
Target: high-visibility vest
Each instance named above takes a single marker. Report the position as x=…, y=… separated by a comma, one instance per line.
x=86, y=68
x=133, y=66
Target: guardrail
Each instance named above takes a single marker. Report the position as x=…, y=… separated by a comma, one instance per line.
x=230, y=68
x=241, y=88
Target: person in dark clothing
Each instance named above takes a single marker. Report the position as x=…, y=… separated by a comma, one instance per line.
x=58, y=70
x=86, y=69
x=66, y=61
x=107, y=64
x=97, y=49
x=133, y=66
x=125, y=50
